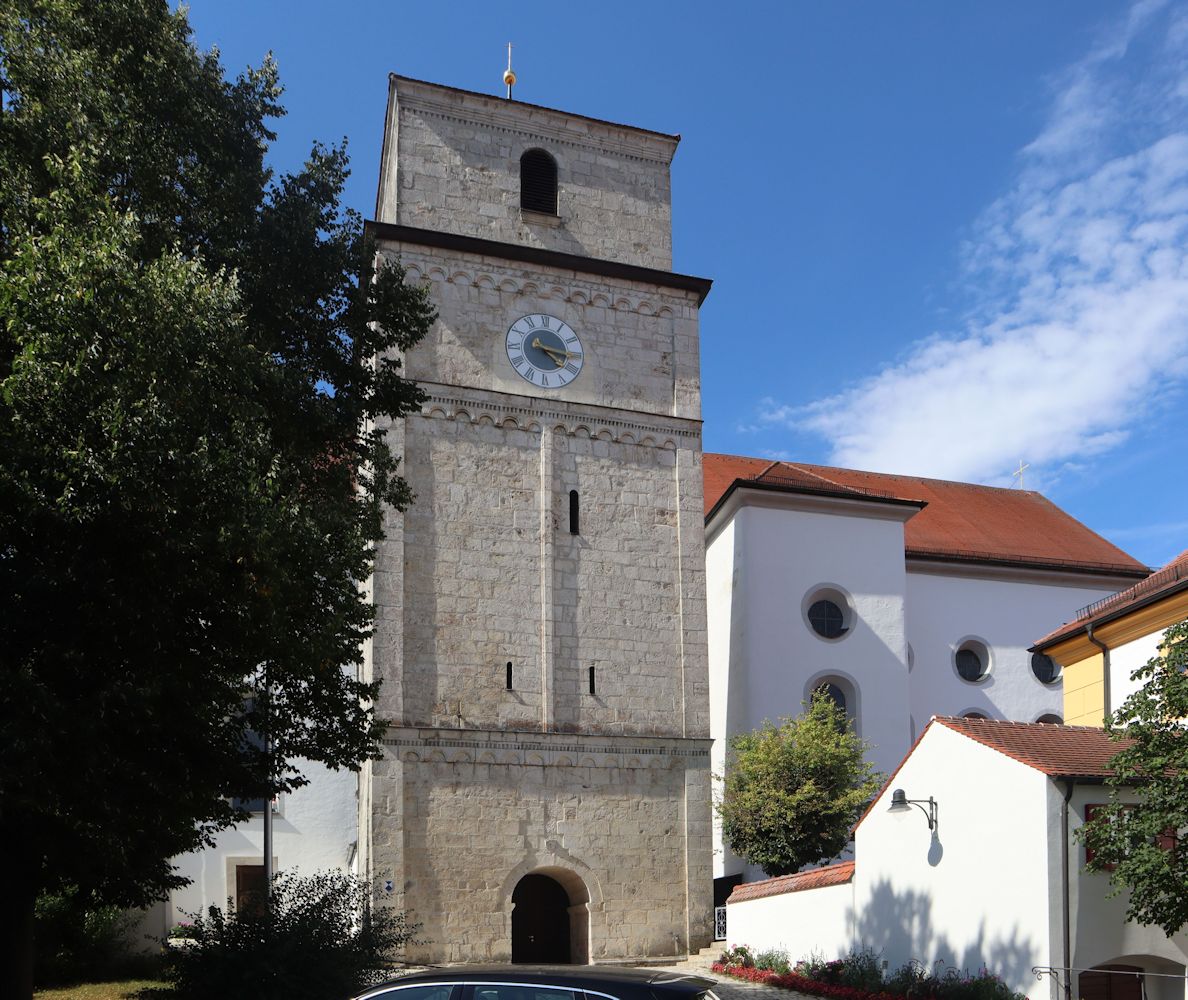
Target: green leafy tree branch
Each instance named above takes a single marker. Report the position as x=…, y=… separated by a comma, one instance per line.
x=793, y=792
x=197, y=364
x=1137, y=836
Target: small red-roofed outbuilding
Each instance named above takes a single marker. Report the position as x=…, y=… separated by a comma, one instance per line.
x=979, y=868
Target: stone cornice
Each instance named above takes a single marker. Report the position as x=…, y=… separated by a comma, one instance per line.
x=485, y=746
x=575, y=419
x=390, y=232
x=532, y=121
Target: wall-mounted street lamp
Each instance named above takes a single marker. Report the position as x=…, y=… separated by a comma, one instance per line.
x=901, y=803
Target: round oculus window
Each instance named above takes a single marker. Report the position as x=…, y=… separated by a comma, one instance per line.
x=827, y=619
x=972, y=661
x=1046, y=670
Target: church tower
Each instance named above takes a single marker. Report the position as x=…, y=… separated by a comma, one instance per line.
x=541, y=634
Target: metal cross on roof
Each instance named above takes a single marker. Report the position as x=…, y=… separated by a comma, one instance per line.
x=1018, y=473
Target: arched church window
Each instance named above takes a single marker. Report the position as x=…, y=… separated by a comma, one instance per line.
x=1051, y=719
x=1046, y=670
x=973, y=715
x=839, y=690
x=538, y=182
x=834, y=693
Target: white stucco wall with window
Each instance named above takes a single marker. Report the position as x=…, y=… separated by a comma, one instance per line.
x=769, y=553
x=1006, y=609
x=763, y=568
x=316, y=829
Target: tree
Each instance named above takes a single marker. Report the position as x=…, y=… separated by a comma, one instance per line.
x=1135, y=836
x=793, y=792
x=197, y=362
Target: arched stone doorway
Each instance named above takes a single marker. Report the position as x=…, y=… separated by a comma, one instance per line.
x=550, y=918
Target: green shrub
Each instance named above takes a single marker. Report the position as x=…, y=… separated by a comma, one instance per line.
x=77, y=939
x=740, y=954
x=774, y=960
x=863, y=970
x=957, y=984
x=322, y=938
x=912, y=979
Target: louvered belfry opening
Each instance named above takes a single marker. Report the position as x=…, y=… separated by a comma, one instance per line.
x=538, y=182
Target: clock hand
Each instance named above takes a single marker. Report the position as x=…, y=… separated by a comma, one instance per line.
x=563, y=356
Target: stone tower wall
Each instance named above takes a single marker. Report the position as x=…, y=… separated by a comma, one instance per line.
x=451, y=163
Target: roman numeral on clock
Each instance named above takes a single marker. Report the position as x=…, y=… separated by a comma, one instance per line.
x=571, y=367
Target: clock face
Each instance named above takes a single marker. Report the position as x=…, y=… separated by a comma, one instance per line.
x=544, y=351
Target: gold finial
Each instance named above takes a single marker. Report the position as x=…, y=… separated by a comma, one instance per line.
x=508, y=76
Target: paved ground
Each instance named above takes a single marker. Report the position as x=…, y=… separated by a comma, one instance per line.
x=736, y=989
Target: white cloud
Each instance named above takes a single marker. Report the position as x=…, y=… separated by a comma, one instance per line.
x=1079, y=282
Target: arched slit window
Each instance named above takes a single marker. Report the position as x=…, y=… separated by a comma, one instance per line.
x=538, y=182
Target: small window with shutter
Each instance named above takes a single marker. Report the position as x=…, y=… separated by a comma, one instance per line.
x=538, y=182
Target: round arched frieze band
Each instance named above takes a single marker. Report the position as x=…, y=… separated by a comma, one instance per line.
x=644, y=306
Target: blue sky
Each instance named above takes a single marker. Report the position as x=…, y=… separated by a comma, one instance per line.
x=944, y=237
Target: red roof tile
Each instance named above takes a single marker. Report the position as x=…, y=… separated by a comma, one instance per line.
x=814, y=878
x=1173, y=577
x=959, y=521
x=1058, y=751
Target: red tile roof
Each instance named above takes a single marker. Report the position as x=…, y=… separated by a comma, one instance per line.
x=814, y=878
x=959, y=521
x=1173, y=577
x=1056, y=750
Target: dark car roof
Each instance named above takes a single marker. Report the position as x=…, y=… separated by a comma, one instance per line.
x=578, y=977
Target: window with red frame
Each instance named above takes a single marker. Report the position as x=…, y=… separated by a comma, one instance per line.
x=1166, y=841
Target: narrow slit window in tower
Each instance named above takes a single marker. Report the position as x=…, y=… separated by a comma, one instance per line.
x=573, y=512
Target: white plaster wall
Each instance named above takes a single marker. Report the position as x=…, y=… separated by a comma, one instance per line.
x=315, y=831
x=979, y=891
x=720, y=582
x=786, y=554
x=810, y=922
x=1125, y=660
x=1008, y=612
x=1100, y=931
x=762, y=570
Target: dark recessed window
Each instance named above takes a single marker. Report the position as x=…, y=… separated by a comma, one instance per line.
x=834, y=693
x=509, y=675
x=593, y=689
x=972, y=661
x=538, y=182
x=973, y=715
x=573, y=512
x=1051, y=720
x=827, y=619
x=1046, y=670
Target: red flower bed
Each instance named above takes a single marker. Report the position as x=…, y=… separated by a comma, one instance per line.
x=791, y=981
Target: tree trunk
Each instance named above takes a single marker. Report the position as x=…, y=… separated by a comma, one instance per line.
x=16, y=935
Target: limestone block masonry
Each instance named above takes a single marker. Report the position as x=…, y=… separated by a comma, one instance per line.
x=541, y=620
